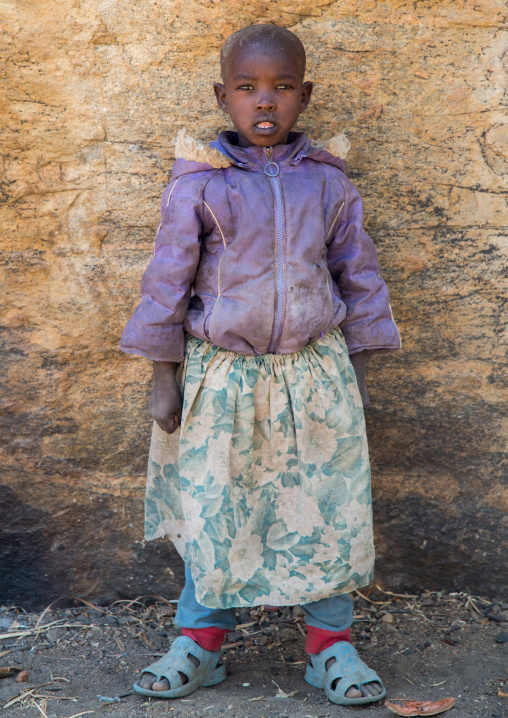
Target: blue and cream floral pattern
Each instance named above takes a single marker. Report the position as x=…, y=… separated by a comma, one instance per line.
x=265, y=489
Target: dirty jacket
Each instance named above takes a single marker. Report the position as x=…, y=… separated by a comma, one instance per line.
x=260, y=250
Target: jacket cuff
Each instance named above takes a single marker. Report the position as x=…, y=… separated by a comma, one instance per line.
x=381, y=338
x=154, y=342
x=373, y=350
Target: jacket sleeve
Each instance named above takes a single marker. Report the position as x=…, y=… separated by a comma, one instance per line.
x=353, y=264
x=155, y=330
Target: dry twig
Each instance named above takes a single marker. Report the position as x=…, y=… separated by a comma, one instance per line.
x=42, y=707
x=24, y=694
x=76, y=598
x=395, y=595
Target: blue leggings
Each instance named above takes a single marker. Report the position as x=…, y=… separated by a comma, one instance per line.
x=331, y=614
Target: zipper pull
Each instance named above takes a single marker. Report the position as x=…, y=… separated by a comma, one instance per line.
x=271, y=169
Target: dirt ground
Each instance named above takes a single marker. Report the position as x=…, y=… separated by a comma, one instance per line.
x=425, y=647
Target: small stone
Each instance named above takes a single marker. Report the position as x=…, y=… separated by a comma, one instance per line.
x=362, y=604
x=458, y=623
x=498, y=616
x=22, y=677
x=55, y=634
x=502, y=637
x=387, y=618
x=167, y=611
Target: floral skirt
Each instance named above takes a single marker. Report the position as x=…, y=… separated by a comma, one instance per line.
x=265, y=488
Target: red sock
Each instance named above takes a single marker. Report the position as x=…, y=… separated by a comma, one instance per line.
x=211, y=639
x=318, y=639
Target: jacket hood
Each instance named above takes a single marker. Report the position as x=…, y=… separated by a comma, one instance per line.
x=193, y=156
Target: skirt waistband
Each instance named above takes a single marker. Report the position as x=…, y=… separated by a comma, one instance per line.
x=333, y=338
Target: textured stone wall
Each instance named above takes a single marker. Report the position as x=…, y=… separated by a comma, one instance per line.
x=94, y=93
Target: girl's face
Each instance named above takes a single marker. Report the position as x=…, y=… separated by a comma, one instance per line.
x=263, y=93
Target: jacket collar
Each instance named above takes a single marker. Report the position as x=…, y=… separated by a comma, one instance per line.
x=193, y=156
x=254, y=158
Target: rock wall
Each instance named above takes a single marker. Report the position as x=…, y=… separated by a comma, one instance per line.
x=94, y=93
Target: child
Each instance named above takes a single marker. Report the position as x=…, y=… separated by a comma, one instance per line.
x=262, y=261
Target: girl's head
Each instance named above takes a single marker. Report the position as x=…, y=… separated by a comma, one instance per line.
x=262, y=87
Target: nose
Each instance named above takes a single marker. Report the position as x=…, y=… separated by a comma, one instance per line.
x=266, y=102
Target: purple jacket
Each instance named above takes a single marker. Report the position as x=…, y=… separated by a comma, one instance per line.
x=260, y=250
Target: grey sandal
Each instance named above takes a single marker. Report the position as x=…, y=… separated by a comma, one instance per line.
x=347, y=671
x=176, y=665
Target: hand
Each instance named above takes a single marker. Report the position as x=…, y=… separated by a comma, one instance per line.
x=359, y=362
x=166, y=399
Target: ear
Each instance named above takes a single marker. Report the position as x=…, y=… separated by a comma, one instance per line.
x=220, y=96
x=306, y=93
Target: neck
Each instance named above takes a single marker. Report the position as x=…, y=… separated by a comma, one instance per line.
x=244, y=142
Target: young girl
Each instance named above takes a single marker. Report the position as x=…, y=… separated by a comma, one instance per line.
x=259, y=307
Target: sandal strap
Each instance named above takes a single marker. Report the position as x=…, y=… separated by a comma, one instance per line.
x=175, y=661
x=346, y=682
x=348, y=670
x=348, y=667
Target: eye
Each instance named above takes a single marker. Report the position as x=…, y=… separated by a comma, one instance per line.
x=245, y=87
x=284, y=87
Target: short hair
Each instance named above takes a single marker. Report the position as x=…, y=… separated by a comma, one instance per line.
x=267, y=37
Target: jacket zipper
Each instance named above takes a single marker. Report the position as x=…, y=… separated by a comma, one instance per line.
x=271, y=170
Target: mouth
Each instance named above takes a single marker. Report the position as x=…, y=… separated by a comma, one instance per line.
x=264, y=125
